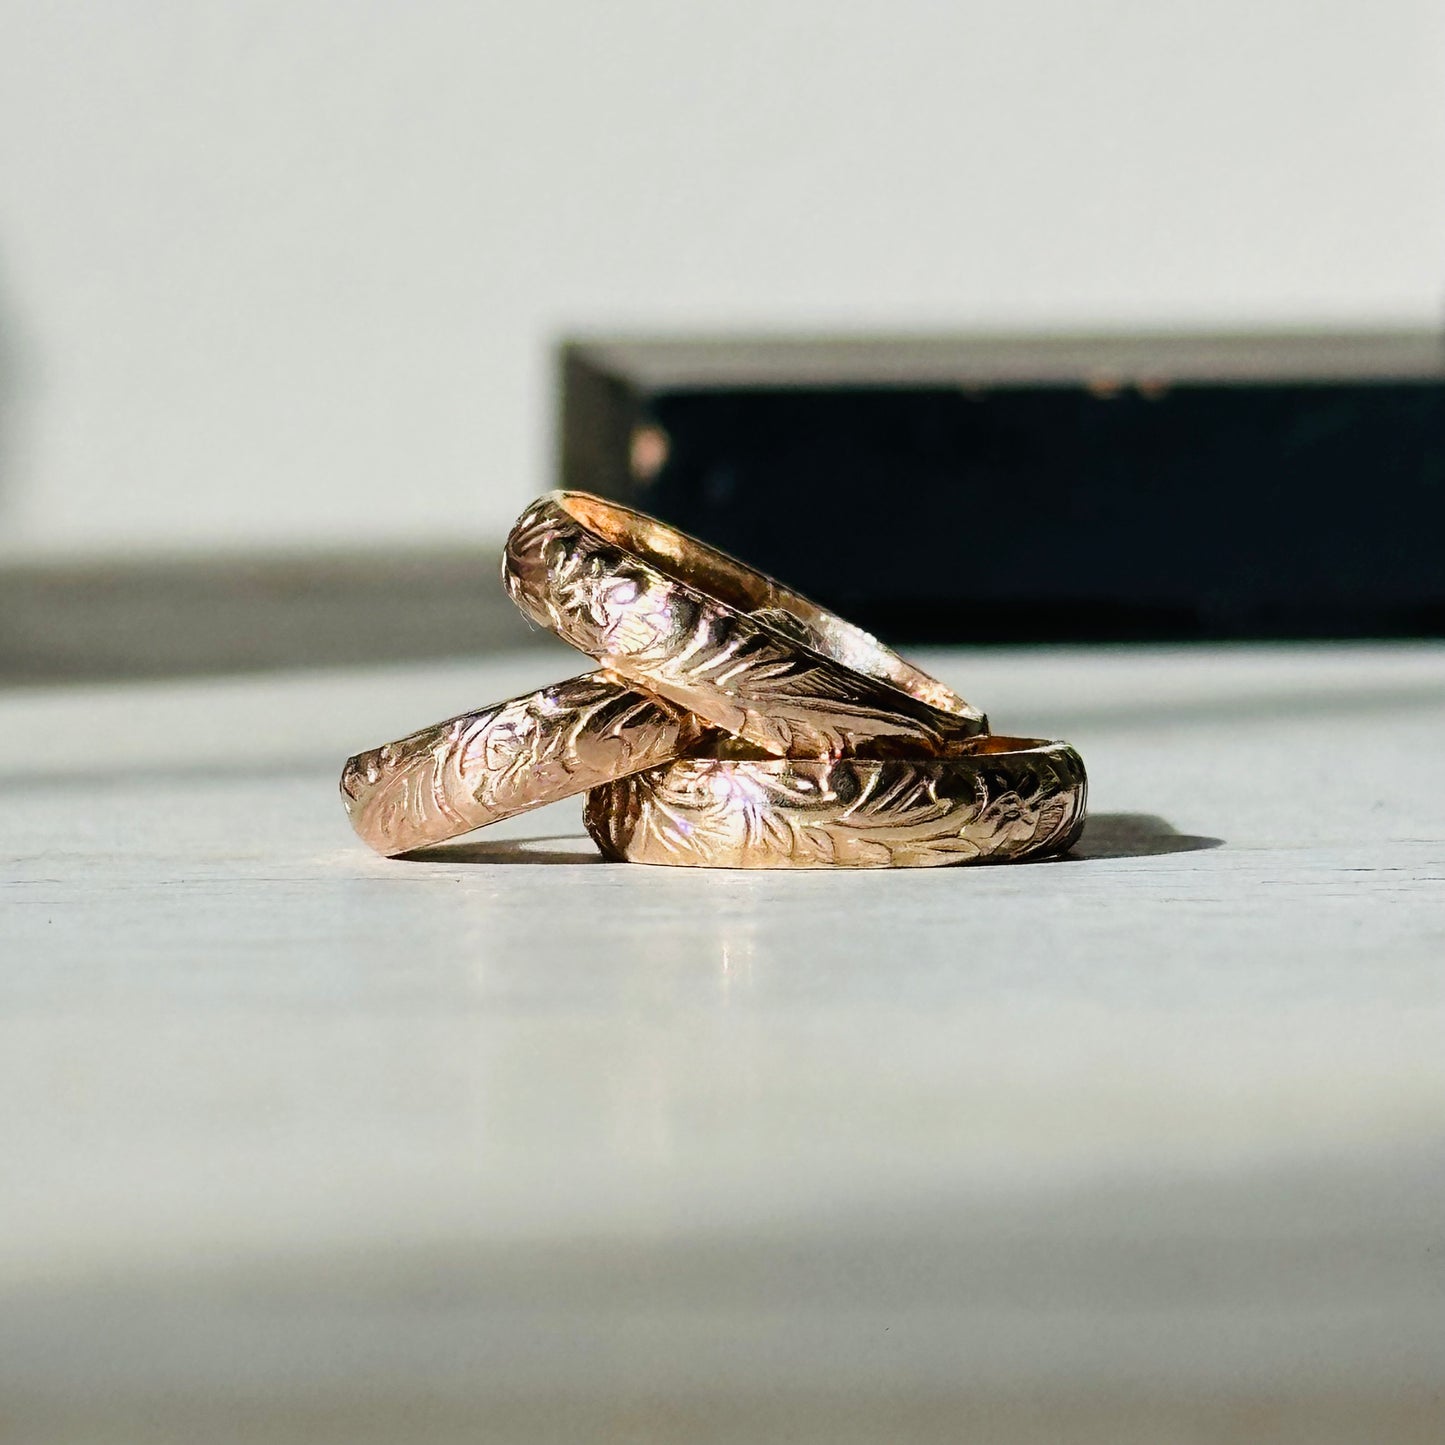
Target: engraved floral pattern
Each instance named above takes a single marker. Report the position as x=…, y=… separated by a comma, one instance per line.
x=484, y=766
x=746, y=729
x=854, y=813
x=765, y=674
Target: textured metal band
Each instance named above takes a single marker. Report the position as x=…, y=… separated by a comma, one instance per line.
x=722, y=640
x=484, y=766
x=1013, y=798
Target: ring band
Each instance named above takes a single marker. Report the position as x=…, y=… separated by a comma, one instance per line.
x=727, y=643
x=487, y=765
x=1009, y=799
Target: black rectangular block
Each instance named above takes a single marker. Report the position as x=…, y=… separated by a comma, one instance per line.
x=1008, y=488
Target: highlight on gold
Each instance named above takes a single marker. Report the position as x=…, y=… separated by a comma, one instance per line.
x=729, y=722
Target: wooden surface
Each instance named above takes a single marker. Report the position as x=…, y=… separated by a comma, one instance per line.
x=297, y=1144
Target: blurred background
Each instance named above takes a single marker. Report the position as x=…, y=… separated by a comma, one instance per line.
x=302, y=1145
x=289, y=276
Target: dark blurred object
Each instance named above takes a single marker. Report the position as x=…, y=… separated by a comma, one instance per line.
x=1009, y=488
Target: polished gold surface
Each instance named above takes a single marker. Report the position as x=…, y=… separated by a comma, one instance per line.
x=487, y=765
x=732, y=724
x=1010, y=799
x=727, y=643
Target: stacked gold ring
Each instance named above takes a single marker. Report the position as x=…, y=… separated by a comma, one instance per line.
x=487, y=765
x=1009, y=798
x=731, y=723
x=724, y=641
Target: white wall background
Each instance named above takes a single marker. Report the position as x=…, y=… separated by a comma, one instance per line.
x=288, y=271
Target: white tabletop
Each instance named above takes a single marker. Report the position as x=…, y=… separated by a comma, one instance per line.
x=297, y=1143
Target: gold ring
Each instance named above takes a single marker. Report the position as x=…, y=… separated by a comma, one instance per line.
x=1009, y=799
x=727, y=643
x=487, y=765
